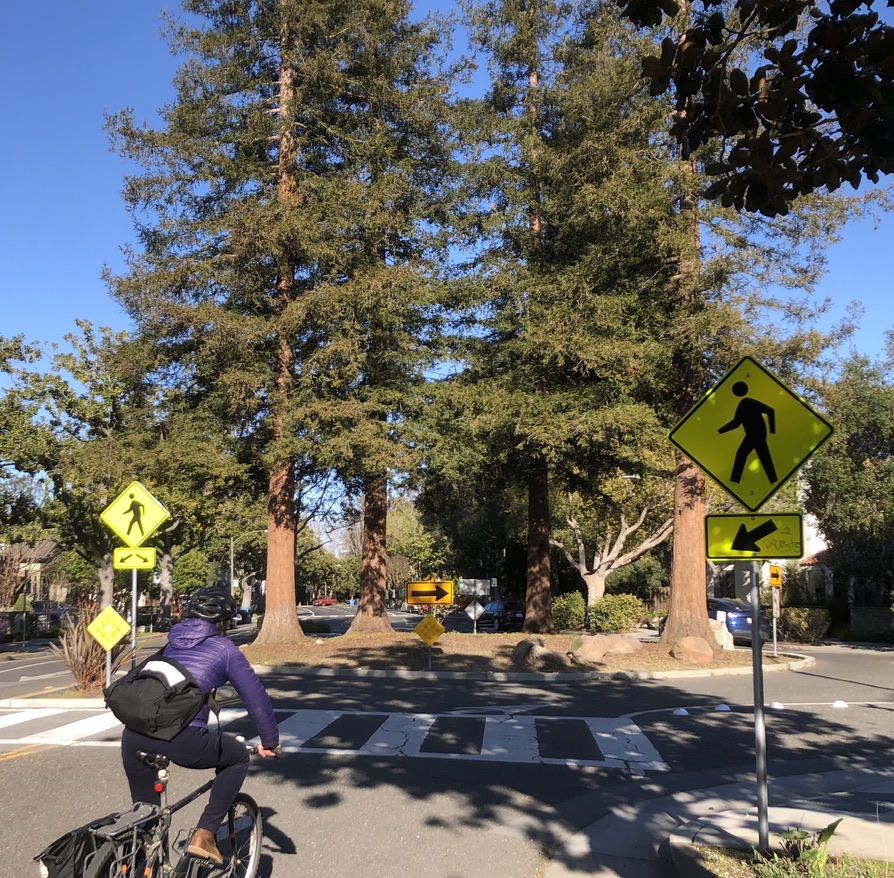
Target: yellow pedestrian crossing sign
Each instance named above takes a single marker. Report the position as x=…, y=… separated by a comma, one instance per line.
x=134, y=514
x=750, y=433
x=108, y=628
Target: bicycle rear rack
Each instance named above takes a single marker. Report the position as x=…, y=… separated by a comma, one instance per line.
x=141, y=814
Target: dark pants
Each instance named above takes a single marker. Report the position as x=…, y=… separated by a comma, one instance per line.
x=193, y=748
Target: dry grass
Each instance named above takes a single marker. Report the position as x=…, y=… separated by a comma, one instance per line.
x=471, y=653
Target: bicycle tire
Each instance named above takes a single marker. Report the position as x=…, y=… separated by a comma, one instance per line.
x=107, y=862
x=239, y=838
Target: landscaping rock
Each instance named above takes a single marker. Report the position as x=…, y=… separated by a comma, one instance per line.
x=693, y=651
x=595, y=647
x=532, y=653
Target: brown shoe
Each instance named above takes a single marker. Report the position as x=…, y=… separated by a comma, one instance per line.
x=202, y=845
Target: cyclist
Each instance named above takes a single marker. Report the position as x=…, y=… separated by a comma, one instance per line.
x=198, y=643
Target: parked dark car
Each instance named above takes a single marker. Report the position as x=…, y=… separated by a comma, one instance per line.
x=502, y=616
x=738, y=618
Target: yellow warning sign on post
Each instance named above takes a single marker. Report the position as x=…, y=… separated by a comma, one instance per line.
x=134, y=514
x=429, y=629
x=108, y=628
x=750, y=433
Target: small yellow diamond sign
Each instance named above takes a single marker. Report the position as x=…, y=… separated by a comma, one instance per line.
x=429, y=629
x=133, y=559
x=134, y=514
x=108, y=628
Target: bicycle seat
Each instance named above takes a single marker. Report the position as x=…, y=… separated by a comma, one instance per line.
x=153, y=760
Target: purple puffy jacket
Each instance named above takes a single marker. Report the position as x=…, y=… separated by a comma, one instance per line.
x=215, y=660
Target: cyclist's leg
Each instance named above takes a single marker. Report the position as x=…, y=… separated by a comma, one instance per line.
x=239, y=838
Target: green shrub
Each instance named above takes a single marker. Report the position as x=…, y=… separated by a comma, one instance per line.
x=803, y=624
x=616, y=612
x=569, y=610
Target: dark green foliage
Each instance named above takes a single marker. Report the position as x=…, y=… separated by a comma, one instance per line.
x=616, y=613
x=850, y=484
x=569, y=611
x=811, y=108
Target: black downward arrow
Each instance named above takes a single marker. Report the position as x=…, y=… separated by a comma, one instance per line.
x=746, y=540
x=437, y=593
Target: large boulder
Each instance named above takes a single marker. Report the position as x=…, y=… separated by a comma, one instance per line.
x=595, y=647
x=693, y=651
x=532, y=653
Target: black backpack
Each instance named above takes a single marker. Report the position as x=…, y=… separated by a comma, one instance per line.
x=158, y=698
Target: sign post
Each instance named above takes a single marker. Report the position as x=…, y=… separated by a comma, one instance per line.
x=750, y=433
x=134, y=515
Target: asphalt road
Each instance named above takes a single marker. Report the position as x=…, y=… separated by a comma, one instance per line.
x=455, y=778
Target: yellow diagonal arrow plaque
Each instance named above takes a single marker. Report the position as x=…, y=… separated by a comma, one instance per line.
x=738, y=537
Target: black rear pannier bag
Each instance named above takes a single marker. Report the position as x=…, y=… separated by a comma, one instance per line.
x=68, y=855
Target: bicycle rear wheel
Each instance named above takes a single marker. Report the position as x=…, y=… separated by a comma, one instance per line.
x=113, y=861
x=239, y=838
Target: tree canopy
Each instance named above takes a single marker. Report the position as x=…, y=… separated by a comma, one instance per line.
x=783, y=97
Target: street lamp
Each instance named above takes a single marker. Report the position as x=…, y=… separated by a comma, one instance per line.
x=233, y=541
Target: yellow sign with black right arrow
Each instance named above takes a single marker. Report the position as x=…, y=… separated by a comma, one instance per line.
x=430, y=592
x=746, y=537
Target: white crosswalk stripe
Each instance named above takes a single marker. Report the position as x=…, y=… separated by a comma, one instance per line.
x=504, y=737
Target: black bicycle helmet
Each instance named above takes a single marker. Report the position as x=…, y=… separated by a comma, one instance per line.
x=213, y=604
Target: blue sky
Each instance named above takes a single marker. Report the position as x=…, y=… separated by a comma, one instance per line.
x=65, y=64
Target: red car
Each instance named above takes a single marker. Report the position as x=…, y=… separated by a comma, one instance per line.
x=325, y=601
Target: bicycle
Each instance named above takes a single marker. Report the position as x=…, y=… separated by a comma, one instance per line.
x=138, y=844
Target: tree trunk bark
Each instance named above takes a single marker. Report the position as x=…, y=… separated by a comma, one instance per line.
x=372, y=616
x=280, y=624
x=538, y=603
x=106, y=574
x=595, y=583
x=166, y=587
x=688, y=611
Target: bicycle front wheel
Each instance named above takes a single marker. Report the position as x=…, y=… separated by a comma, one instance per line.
x=239, y=838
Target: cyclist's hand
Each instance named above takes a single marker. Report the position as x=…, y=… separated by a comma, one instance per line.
x=263, y=751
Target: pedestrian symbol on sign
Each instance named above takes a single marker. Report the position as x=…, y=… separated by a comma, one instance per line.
x=750, y=416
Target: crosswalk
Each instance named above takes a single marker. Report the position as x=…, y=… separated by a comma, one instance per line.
x=504, y=736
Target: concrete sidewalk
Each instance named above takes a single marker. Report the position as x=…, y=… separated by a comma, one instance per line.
x=658, y=838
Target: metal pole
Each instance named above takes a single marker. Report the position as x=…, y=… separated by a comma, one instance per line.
x=760, y=730
x=108, y=666
x=133, y=619
x=232, y=584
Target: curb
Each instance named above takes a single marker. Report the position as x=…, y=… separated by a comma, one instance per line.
x=74, y=703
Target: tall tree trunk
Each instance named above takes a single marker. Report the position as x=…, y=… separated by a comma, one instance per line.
x=688, y=612
x=372, y=616
x=280, y=612
x=538, y=603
